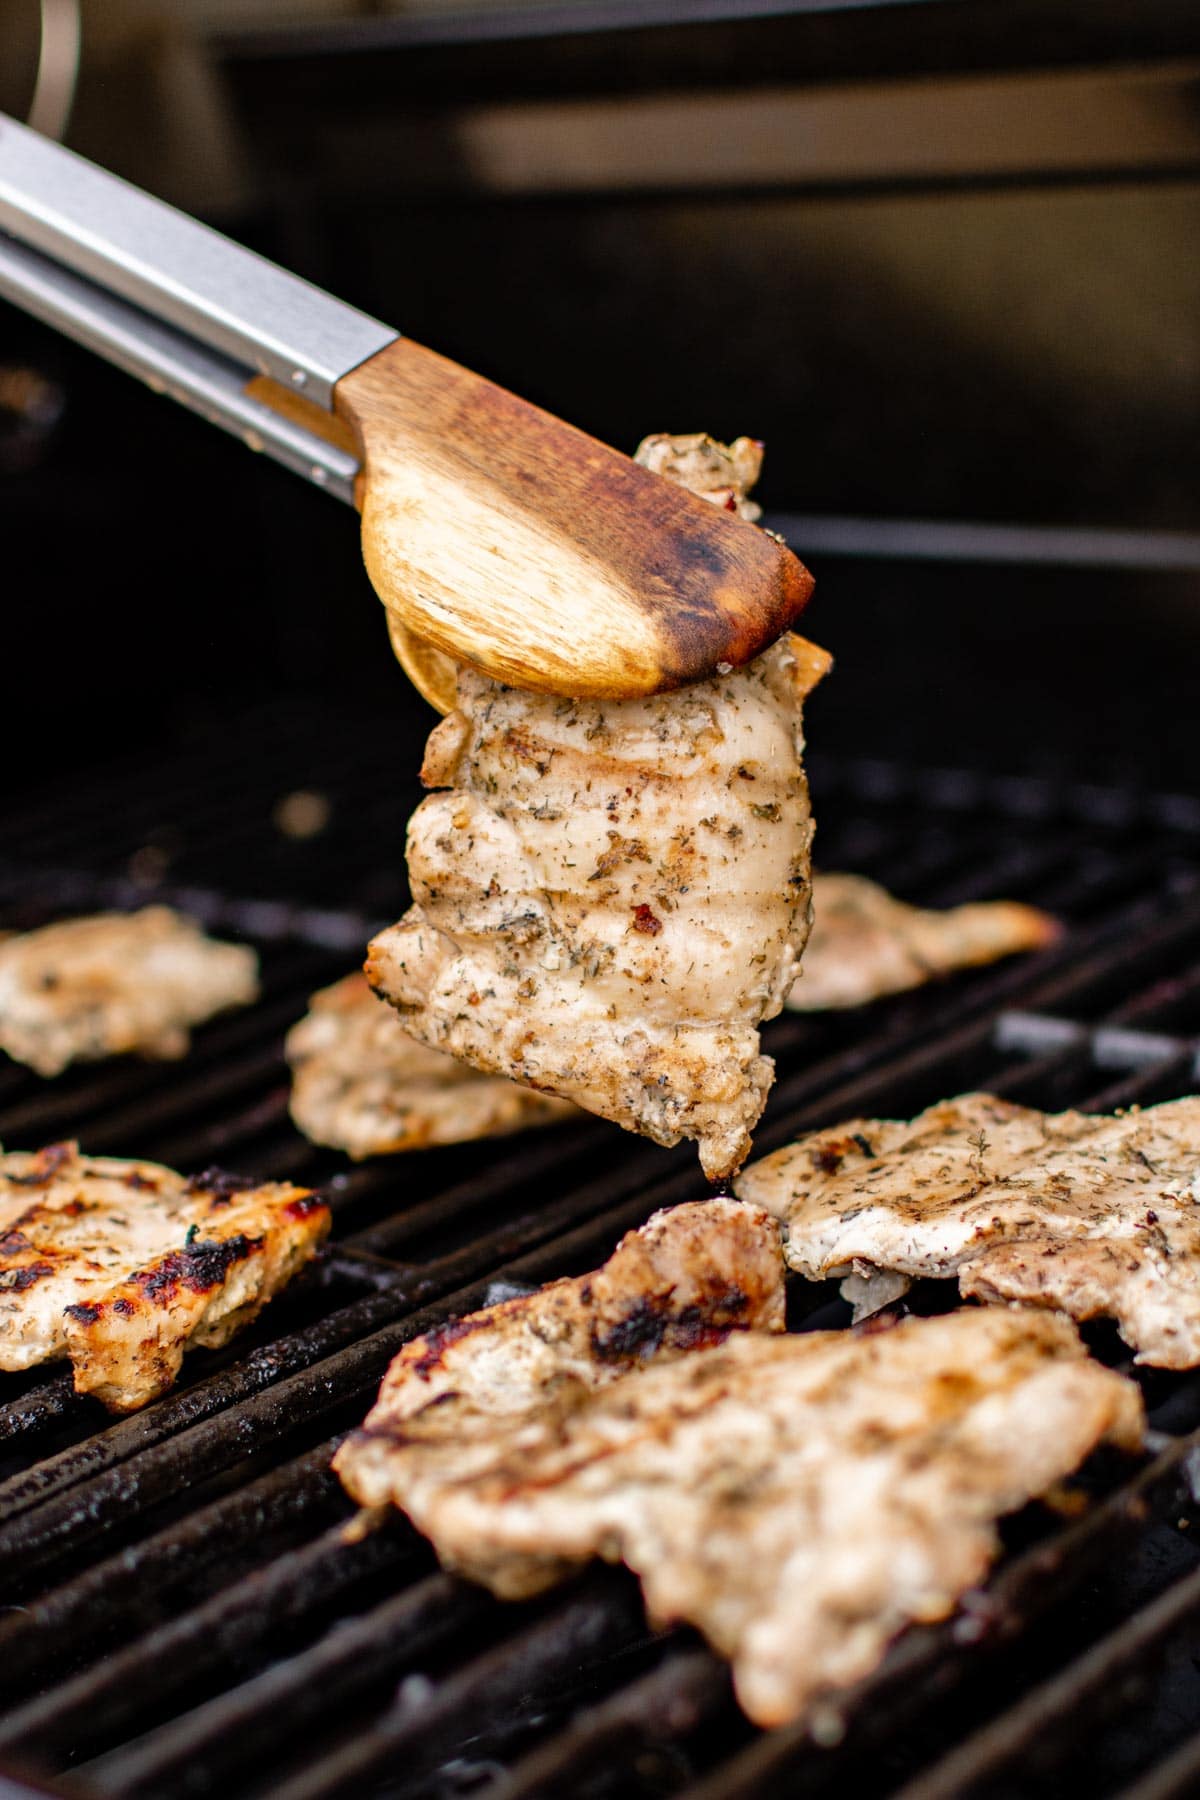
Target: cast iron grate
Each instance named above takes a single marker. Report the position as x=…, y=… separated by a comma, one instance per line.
x=183, y=1609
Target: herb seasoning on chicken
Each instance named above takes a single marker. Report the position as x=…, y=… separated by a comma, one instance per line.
x=611, y=896
x=1090, y=1214
x=122, y=1266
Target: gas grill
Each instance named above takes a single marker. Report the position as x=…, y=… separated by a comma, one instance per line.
x=188, y=1602
x=1006, y=560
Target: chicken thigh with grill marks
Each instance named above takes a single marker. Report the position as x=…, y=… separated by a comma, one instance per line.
x=122, y=1266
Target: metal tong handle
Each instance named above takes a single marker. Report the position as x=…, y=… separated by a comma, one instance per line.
x=192, y=313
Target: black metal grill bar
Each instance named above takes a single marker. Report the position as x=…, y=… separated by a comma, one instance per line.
x=536, y=1160
x=1038, y=800
x=103, y=1116
x=63, y=1526
x=1162, y=1081
x=943, y=864
x=209, y=1640
x=150, y=1116
x=139, y=1583
x=59, y=891
x=1078, y=883
x=1164, y=1001
x=1055, y=1708
x=1046, y=1036
x=915, y=1019
x=1060, y=1050
x=1110, y=1043
x=37, y=1410
x=667, y=1704
x=1152, y=1080
x=352, y=1264
x=1085, y=1052
x=1047, y=1076
x=254, y=1140
x=1007, y=869
x=1174, y=1779
x=409, y=1626
x=254, y=1721
x=28, y=1787
x=972, y=864
x=481, y=1697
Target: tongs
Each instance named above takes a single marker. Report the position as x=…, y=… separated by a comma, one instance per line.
x=494, y=533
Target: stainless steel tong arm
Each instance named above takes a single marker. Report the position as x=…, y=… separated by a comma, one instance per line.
x=191, y=312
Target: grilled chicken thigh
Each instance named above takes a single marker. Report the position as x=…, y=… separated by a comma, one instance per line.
x=865, y=943
x=611, y=896
x=455, y=1405
x=1093, y=1215
x=361, y=1084
x=96, y=987
x=122, y=1266
x=799, y=1498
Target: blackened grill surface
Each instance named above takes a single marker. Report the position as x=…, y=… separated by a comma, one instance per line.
x=182, y=1610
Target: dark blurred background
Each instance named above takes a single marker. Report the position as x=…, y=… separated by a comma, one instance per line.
x=942, y=255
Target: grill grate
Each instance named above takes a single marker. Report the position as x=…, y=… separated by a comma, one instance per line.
x=182, y=1607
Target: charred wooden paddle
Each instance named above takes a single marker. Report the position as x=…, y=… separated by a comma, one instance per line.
x=493, y=532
